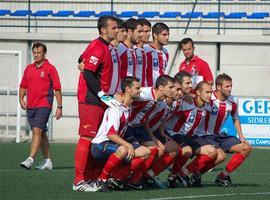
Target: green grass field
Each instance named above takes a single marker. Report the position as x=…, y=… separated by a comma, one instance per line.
x=252, y=179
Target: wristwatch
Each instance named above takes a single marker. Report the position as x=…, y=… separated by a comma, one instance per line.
x=60, y=107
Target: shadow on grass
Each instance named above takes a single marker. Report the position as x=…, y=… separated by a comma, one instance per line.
x=63, y=167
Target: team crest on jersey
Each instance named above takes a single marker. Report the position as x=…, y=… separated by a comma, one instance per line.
x=130, y=61
x=114, y=59
x=155, y=62
x=93, y=60
x=42, y=74
x=214, y=111
x=191, y=118
x=139, y=60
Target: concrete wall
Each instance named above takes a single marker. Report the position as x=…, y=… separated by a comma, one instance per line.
x=245, y=58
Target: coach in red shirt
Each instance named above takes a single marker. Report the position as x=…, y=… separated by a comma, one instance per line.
x=197, y=67
x=39, y=80
x=93, y=87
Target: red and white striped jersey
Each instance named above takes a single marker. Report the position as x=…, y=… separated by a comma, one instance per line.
x=142, y=108
x=157, y=117
x=115, y=121
x=186, y=120
x=141, y=65
x=220, y=111
x=127, y=59
x=157, y=62
x=114, y=87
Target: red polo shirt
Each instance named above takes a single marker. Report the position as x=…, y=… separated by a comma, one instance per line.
x=40, y=83
x=97, y=58
x=197, y=66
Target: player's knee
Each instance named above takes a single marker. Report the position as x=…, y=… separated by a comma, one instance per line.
x=221, y=157
x=122, y=152
x=187, y=152
x=212, y=152
x=246, y=148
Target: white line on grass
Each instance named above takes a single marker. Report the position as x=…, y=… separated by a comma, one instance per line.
x=211, y=195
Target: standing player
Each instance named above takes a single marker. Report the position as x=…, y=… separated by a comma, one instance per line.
x=157, y=55
x=197, y=67
x=126, y=49
x=140, y=52
x=39, y=80
x=94, y=84
x=224, y=105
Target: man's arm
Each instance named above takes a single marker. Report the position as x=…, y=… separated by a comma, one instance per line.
x=149, y=131
x=58, y=96
x=238, y=128
x=22, y=93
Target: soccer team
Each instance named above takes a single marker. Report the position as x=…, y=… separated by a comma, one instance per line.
x=136, y=121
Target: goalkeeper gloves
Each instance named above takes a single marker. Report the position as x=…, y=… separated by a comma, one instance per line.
x=108, y=100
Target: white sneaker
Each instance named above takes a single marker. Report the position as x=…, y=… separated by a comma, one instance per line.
x=82, y=186
x=27, y=163
x=45, y=164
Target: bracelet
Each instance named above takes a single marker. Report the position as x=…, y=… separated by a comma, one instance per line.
x=60, y=107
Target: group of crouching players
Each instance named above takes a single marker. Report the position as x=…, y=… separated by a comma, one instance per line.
x=147, y=130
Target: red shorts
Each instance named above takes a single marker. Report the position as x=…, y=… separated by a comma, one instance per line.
x=90, y=119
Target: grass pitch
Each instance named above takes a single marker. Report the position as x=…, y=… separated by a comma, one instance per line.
x=251, y=180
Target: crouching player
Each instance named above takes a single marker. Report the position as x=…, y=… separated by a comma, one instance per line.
x=224, y=105
x=109, y=143
x=182, y=127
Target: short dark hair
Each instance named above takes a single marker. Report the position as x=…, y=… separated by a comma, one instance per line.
x=159, y=27
x=144, y=22
x=185, y=41
x=121, y=23
x=39, y=44
x=163, y=80
x=222, y=77
x=179, y=77
x=103, y=21
x=132, y=24
x=128, y=82
x=201, y=84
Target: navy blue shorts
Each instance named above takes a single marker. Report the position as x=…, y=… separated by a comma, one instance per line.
x=38, y=118
x=138, y=134
x=194, y=142
x=103, y=150
x=160, y=137
x=225, y=142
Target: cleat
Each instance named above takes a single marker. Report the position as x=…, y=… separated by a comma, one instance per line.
x=225, y=182
x=184, y=180
x=171, y=181
x=45, y=165
x=135, y=186
x=115, y=184
x=27, y=163
x=154, y=182
x=82, y=186
x=102, y=185
x=196, y=180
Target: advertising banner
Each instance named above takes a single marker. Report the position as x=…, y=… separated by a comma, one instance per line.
x=254, y=114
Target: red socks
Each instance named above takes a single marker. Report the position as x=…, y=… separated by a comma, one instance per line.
x=83, y=161
x=235, y=161
x=199, y=163
x=162, y=163
x=137, y=167
x=179, y=162
x=151, y=158
x=112, y=162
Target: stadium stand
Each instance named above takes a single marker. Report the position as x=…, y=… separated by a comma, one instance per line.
x=85, y=13
x=63, y=13
x=4, y=12
x=128, y=14
x=42, y=13
x=149, y=14
x=20, y=13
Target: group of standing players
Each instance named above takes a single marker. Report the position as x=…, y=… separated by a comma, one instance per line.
x=136, y=121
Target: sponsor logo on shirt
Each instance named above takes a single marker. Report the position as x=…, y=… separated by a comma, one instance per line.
x=42, y=73
x=214, y=111
x=85, y=126
x=93, y=60
x=155, y=62
x=191, y=118
x=139, y=60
